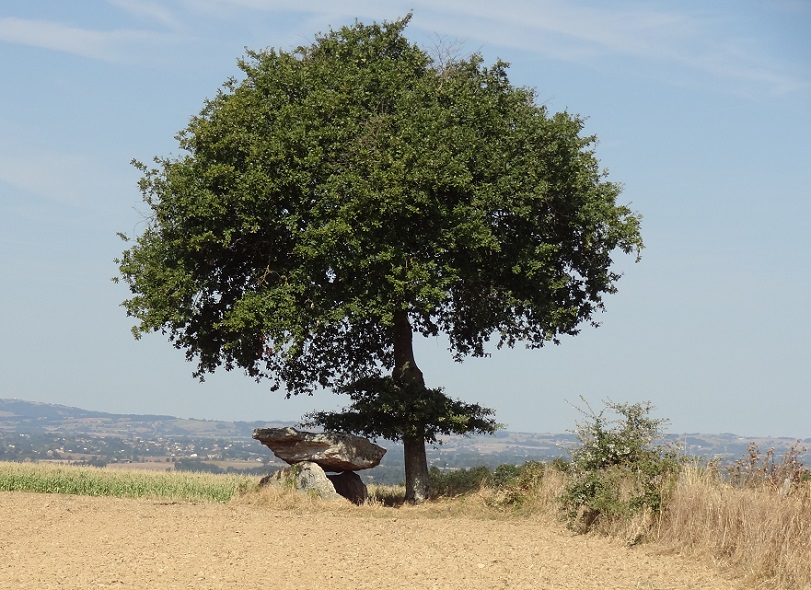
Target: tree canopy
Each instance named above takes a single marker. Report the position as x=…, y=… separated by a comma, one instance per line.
x=340, y=197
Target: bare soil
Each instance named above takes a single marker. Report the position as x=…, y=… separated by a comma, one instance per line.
x=74, y=542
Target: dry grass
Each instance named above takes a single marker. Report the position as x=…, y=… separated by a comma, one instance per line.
x=538, y=502
x=757, y=532
x=279, y=498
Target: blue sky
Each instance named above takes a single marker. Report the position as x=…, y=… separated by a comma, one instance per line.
x=702, y=109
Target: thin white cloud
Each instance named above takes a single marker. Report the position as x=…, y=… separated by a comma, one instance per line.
x=586, y=33
x=148, y=10
x=102, y=45
x=674, y=41
x=670, y=37
x=58, y=177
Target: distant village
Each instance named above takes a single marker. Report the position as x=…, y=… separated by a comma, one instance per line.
x=246, y=456
x=242, y=456
x=43, y=432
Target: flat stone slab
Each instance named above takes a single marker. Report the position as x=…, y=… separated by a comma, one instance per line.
x=332, y=451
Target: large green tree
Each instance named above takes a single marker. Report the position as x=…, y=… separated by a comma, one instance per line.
x=341, y=197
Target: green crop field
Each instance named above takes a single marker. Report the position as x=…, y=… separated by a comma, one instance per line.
x=92, y=481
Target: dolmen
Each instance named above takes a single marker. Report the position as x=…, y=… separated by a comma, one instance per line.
x=310, y=455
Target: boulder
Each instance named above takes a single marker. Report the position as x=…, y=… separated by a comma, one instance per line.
x=333, y=451
x=349, y=485
x=303, y=477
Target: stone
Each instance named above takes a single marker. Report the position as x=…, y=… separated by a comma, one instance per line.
x=333, y=451
x=304, y=477
x=349, y=485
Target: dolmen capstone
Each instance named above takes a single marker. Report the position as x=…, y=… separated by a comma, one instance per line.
x=311, y=455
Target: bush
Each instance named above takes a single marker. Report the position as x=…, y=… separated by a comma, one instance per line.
x=505, y=475
x=617, y=470
x=197, y=466
x=459, y=481
x=513, y=479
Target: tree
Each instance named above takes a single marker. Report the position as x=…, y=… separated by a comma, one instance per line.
x=343, y=196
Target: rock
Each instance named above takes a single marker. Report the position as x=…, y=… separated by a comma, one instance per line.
x=303, y=477
x=349, y=485
x=331, y=450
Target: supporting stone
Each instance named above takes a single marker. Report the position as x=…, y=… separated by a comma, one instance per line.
x=349, y=485
x=304, y=477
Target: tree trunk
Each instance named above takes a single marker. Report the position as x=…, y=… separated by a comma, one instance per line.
x=416, y=470
x=407, y=372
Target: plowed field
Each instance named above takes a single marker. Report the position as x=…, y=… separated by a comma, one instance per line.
x=73, y=542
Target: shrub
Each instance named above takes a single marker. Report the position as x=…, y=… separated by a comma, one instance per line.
x=620, y=469
x=505, y=475
x=514, y=480
x=197, y=466
x=458, y=481
x=517, y=485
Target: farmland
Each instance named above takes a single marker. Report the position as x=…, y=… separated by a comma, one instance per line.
x=78, y=542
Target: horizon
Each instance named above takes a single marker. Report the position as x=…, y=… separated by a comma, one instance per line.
x=675, y=435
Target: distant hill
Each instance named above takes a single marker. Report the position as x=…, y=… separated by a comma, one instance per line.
x=19, y=416
x=36, y=417
x=23, y=410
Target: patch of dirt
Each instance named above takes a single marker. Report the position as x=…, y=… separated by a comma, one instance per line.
x=75, y=542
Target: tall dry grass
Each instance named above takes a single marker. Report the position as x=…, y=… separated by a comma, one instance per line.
x=761, y=532
x=535, y=497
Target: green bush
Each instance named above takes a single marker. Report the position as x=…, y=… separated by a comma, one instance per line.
x=620, y=467
x=197, y=466
x=520, y=483
x=505, y=475
x=516, y=480
x=458, y=482
x=561, y=464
